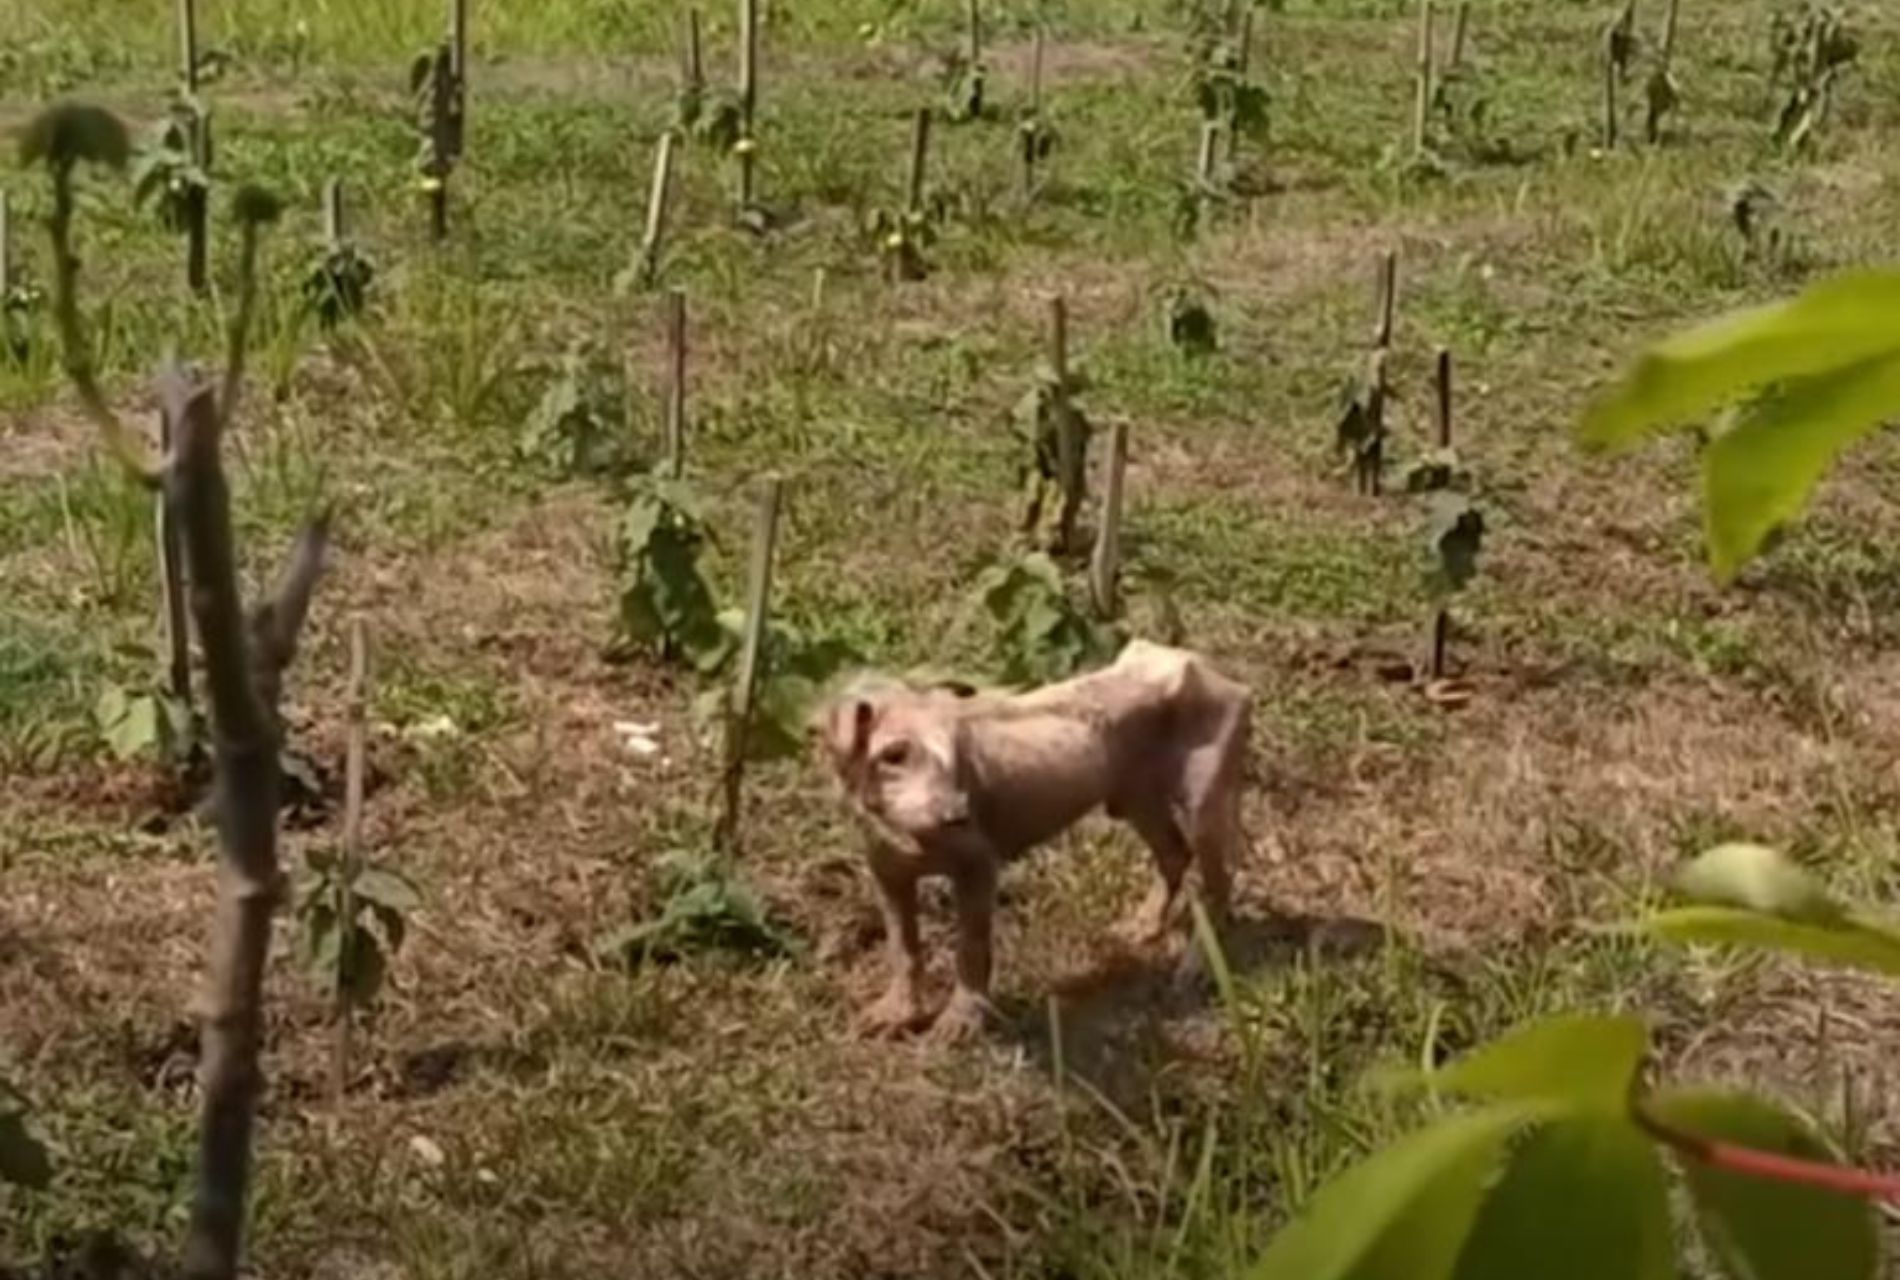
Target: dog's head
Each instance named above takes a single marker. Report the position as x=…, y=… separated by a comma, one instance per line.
x=896, y=752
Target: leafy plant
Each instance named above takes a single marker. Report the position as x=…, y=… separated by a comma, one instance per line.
x=1796, y=382
x=1038, y=421
x=19, y=305
x=166, y=174
x=665, y=603
x=1561, y=1168
x=136, y=723
x=1191, y=328
x=902, y=235
x=579, y=426
x=1455, y=535
x=353, y=924
x=965, y=82
x=1812, y=48
x=704, y=907
x=436, y=113
x=337, y=287
x=1039, y=633
x=23, y=1159
x=1221, y=88
x=794, y=667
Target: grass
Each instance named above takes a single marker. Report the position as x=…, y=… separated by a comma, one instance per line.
x=523, y=1113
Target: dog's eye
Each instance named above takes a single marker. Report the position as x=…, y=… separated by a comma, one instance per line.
x=894, y=756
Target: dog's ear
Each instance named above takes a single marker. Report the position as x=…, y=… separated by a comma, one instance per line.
x=843, y=726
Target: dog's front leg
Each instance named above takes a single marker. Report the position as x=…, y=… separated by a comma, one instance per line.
x=901, y=1006
x=975, y=888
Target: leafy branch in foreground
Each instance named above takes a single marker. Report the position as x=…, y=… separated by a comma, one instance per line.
x=245, y=659
x=1560, y=1169
x=1793, y=383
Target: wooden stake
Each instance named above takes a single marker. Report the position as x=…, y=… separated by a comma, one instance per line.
x=1387, y=309
x=333, y=213
x=1243, y=64
x=6, y=249
x=1371, y=473
x=1444, y=398
x=1609, y=89
x=171, y=590
x=675, y=415
x=356, y=747
x=1071, y=448
x=1421, y=110
x=1032, y=128
x=1441, y=615
x=693, y=66
x=198, y=208
x=919, y=158
x=974, y=47
x=748, y=102
x=442, y=137
x=1204, y=162
x=1035, y=73
x=1670, y=16
x=739, y=717
x=647, y=261
x=188, y=45
x=1459, y=24
x=458, y=39
x=1105, y=567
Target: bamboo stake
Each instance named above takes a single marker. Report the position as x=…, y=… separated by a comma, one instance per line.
x=188, y=45
x=647, y=261
x=1204, y=161
x=919, y=159
x=1441, y=616
x=1105, y=567
x=6, y=249
x=739, y=717
x=1243, y=65
x=693, y=67
x=357, y=711
x=1460, y=22
x=1609, y=89
x=748, y=102
x=675, y=415
x=1032, y=128
x=975, y=53
x=333, y=213
x=1421, y=110
x=458, y=70
x=1371, y=470
x=197, y=206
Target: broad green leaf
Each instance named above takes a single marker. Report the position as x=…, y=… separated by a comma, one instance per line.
x=1759, y=474
x=1582, y=1198
x=1402, y=1213
x=1582, y=1059
x=1763, y=1229
x=1757, y=878
x=23, y=1160
x=1860, y=944
x=1828, y=328
x=386, y=888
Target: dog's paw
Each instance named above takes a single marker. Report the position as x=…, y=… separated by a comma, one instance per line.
x=963, y=1020
x=893, y=1014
